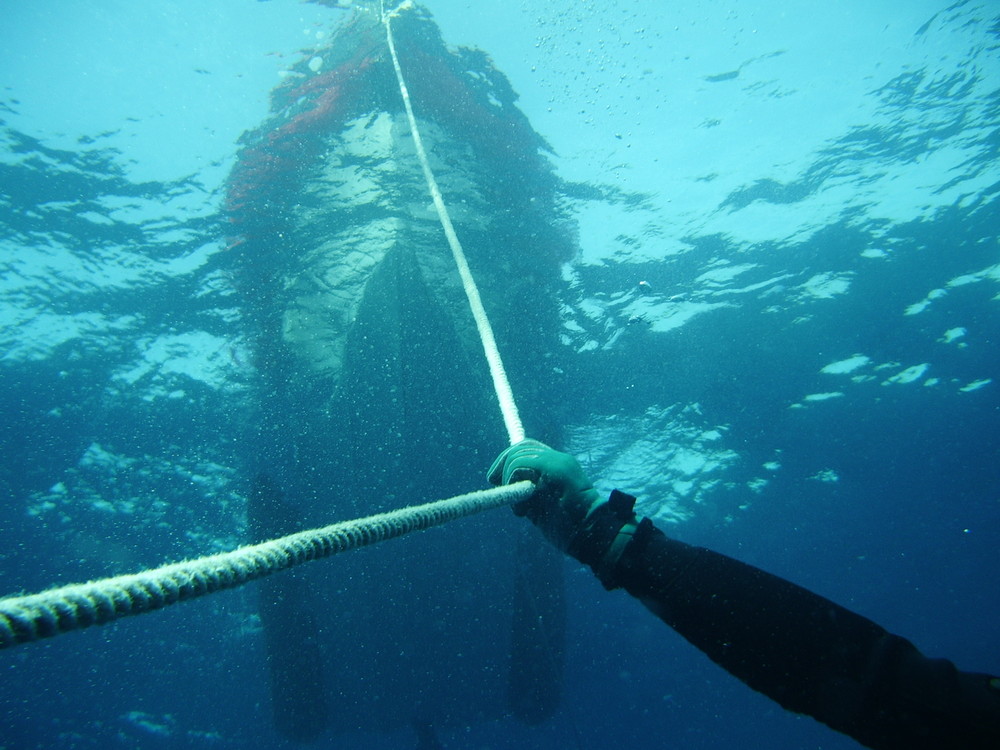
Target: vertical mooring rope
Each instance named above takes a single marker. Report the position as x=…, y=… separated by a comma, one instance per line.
x=501, y=385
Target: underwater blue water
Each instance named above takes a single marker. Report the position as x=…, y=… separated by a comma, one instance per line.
x=807, y=380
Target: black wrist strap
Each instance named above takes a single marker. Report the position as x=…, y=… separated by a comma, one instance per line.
x=608, y=531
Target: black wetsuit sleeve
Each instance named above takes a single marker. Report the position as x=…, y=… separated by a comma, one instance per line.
x=810, y=655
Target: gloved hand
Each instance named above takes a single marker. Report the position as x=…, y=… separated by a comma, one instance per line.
x=567, y=508
x=563, y=497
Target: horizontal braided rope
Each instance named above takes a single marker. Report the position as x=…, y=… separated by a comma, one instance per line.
x=60, y=610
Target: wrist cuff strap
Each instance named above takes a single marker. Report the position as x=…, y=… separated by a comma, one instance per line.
x=604, y=568
x=619, y=524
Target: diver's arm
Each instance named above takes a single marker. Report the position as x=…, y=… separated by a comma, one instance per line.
x=810, y=655
x=805, y=652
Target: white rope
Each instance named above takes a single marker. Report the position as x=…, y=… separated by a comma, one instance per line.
x=501, y=385
x=49, y=613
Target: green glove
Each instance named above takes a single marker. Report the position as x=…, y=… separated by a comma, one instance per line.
x=564, y=497
x=567, y=508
